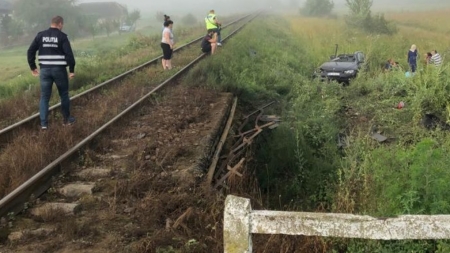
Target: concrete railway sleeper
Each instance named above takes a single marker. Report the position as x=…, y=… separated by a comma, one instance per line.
x=8, y=133
x=17, y=200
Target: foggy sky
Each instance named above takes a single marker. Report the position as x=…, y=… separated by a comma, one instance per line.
x=225, y=7
x=187, y=6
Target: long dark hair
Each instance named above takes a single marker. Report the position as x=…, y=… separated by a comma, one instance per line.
x=167, y=23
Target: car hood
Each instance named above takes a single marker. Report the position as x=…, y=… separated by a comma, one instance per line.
x=338, y=66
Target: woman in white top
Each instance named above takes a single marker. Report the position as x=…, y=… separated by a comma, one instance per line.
x=167, y=44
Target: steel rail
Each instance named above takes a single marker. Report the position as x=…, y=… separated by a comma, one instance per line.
x=16, y=201
x=110, y=81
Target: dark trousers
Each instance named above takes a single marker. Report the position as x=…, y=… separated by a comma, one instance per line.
x=219, y=38
x=48, y=76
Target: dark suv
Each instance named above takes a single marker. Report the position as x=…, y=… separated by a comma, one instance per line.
x=341, y=68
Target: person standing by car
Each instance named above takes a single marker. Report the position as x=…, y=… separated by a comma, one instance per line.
x=167, y=44
x=212, y=23
x=55, y=54
x=412, y=58
x=209, y=42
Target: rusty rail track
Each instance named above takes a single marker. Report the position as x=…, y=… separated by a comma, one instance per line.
x=34, y=187
x=7, y=132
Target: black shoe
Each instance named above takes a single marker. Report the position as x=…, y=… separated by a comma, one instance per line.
x=70, y=121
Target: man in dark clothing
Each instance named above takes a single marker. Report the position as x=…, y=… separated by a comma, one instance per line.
x=55, y=54
x=209, y=42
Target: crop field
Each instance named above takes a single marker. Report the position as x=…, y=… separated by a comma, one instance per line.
x=323, y=157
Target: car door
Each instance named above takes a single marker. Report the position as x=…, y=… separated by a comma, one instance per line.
x=360, y=58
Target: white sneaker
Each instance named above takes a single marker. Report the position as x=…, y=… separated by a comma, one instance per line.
x=219, y=44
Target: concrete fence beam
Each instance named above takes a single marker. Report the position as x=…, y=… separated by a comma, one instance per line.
x=240, y=222
x=406, y=227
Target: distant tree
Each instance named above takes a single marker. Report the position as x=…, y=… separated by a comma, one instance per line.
x=133, y=17
x=317, y=7
x=10, y=29
x=108, y=26
x=89, y=24
x=359, y=7
x=37, y=14
x=189, y=19
x=361, y=17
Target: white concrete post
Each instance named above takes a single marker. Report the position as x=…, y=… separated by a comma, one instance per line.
x=236, y=234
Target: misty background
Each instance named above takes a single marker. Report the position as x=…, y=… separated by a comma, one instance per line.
x=21, y=19
x=200, y=7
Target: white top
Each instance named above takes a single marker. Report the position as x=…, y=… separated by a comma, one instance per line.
x=167, y=30
x=436, y=59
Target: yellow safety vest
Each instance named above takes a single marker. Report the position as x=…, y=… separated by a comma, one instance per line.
x=210, y=22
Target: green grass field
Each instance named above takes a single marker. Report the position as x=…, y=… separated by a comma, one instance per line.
x=93, y=56
x=13, y=62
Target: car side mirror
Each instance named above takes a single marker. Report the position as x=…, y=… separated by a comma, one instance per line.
x=360, y=58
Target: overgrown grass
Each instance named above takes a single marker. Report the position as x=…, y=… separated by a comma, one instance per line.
x=261, y=65
x=405, y=175
x=299, y=165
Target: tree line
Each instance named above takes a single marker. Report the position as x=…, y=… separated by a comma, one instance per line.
x=29, y=17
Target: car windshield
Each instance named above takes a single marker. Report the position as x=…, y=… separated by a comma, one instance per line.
x=345, y=58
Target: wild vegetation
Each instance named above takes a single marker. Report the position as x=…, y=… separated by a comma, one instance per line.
x=317, y=7
x=300, y=166
x=362, y=18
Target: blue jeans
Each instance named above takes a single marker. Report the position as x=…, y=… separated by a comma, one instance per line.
x=48, y=76
x=219, y=38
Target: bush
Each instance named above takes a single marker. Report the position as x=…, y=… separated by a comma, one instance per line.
x=317, y=8
x=374, y=24
x=361, y=18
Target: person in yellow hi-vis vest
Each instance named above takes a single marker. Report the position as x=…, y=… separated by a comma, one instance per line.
x=212, y=23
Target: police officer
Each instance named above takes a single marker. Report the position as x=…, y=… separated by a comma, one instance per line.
x=212, y=23
x=55, y=54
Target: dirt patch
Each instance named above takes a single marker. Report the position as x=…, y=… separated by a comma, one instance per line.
x=152, y=199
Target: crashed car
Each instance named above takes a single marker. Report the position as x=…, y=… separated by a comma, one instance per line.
x=341, y=68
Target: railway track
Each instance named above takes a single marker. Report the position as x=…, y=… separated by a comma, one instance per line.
x=20, y=198
x=8, y=133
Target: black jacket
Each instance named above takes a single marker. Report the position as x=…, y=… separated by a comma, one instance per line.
x=54, y=50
